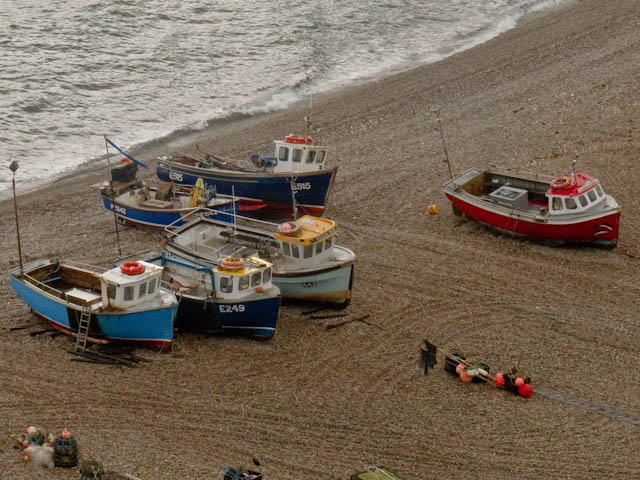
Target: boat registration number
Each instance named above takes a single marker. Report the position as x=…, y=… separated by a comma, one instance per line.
x=231, y=308
x=309, y=284
x=119, y=209
x=302, y=186
x=177, y=176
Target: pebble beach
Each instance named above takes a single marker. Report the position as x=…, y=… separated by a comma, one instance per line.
x=317, y=402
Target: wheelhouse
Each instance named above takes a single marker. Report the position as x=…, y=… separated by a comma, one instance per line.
x=578, y=193
x=235, y=278
x=298, y=154
x=308, y=241
x=124, y=288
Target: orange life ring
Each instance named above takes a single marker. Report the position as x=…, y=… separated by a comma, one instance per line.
x=288, y=228
x=124, y=160
x=132, y=268
x=230, y=263
x=292, y=139
x=560, y=183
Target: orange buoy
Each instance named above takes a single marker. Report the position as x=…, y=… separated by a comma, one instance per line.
x=230, y=263
x=432, y=209
x=560, y=183
x=132, y=268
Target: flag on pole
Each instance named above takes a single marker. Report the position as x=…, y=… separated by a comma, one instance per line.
x=137, y=162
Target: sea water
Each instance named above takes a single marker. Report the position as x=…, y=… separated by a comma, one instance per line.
x=140, y=73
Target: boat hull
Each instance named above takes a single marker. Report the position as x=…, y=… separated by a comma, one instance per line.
x=256, y=317
x=258, y=188
x=331, y=285
x=151, y=328
x=599, y=229
x=160, y=218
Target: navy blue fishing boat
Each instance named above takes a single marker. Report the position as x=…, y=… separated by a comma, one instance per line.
x=298, y=169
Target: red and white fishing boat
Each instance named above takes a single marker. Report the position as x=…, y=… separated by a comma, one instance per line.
x=563, y=209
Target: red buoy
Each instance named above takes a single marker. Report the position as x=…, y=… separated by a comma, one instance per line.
x=498, y=380
x=525, y=390
x=519, y=382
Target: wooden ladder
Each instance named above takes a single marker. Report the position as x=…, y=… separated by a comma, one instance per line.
x=83, y=329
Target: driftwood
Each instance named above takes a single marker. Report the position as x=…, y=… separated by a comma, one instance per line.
x=310, y=312
x=95, y=357
x=359, y=319
x=331, y=315
x=39, y=332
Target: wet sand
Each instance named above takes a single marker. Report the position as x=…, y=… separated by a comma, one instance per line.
x=320, y=403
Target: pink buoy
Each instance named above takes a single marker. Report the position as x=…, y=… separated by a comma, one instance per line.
x=498, y=380
x=464, y=377
x=286, y=226
x=460, y=368
x=32, y=429
x=66, y=434
x=519, y=382
x=525, y=390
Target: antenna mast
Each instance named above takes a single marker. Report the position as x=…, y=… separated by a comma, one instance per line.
x=113, y=197
x=436, y=109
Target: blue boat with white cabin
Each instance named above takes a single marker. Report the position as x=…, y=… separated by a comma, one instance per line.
x=228, y=295
x=123, y=304
x=298, y=169
x=135, y=202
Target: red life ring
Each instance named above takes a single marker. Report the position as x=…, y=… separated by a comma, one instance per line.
x=288, y=228
x=560, y=183
x=292, y=139
x=132, y=268
x=230, y=263
x=124, y=160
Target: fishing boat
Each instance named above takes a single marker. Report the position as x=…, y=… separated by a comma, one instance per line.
x=147, y=206
x=307, y=264
x=136, y=203
x=226, y=295
x=124, y=304
x=297, y=174
x=571, y=209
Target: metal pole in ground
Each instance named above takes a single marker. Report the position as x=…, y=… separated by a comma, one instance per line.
x=13, y=167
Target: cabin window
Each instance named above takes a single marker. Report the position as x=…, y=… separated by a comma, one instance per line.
x=556, y=203
x=244, y=283
x=295, y=251
x=329, y=243
x=599, y=190
x=143, y=290
x=311, y=155
x=283, y=154
x=266, y=276
x=226, y=284
x=111, y=290
x=592, y=195
x=319, y=248
x=286, y=249
x=255, y=279
x=308, y=251
x=320, y=156
x=152, y=286
x=570, y=203
x=583, y=200
x=128, y=293
x=297, y=155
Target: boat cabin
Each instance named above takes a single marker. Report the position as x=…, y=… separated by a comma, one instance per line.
x=296, y=154
x=236, y=277
x=130, y=284
x=574, y=194
x=308, y=241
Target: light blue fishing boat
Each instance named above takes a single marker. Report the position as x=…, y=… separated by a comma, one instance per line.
x=307, y=264
x=124, y=304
